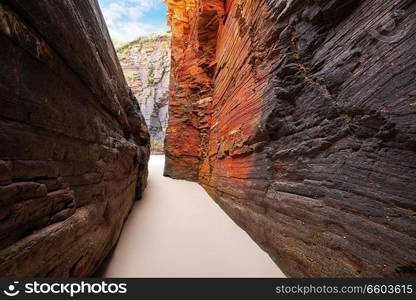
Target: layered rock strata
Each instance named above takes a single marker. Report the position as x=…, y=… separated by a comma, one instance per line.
x=194, y=27
x=298, y=117
x=73, y=143
x=146, y=66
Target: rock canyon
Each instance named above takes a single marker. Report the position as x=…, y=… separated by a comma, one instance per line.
x=297, y=117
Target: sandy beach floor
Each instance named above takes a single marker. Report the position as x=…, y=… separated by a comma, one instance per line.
x=177, y=230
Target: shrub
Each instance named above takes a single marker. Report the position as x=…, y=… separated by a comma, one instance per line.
x=151, y=74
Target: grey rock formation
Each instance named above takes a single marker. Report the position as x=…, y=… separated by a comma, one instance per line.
x=146, y=66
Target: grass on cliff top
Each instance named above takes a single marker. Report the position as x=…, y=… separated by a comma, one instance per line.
x=118, y=43
x=120, y=46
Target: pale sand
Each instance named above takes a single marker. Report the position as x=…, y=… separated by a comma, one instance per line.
x=177, y=230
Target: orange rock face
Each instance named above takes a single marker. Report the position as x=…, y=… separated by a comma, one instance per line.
x=194, y=38
x=298, y=119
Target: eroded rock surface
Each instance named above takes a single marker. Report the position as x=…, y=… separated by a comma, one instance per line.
x=146, y=66
x=73, y=143
x=298, y=117
x=194, y=38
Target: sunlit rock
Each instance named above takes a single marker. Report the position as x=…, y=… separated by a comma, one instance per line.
x=298, y=117
x=146, y=66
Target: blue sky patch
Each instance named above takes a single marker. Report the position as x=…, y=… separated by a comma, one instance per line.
x=129, y=19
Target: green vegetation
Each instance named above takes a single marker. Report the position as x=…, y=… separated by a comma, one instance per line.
x=118, y=44
x=157, y=147
x=145, y=38
x=151, y=74
x=140, y=47
x=132, y=75
x=154, y=37
x=123, y=49
x=122, y=55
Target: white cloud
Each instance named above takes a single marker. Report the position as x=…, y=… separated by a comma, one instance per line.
x=123, y=18
x=113, y=13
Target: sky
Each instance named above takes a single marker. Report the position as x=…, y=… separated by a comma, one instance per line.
x=129, y=19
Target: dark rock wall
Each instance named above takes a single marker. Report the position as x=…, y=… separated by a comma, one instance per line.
x=311, y=146
x=73, y=143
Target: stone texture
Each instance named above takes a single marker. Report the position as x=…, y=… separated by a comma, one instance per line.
x=73, y=143
x=194, y=26
x=298, y=117
x=146, y=66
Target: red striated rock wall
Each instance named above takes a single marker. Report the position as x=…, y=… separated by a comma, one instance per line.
x=310, y=141
x=73, y=143
x=194, y=33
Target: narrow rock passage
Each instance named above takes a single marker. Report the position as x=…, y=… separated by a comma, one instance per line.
x=177, y=230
